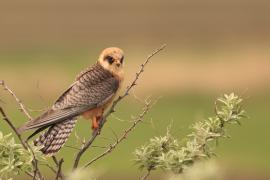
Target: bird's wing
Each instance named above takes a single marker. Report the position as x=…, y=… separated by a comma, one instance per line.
x=76, y=100
x=54, y=116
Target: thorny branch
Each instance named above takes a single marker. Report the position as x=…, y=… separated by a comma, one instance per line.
x=137, y=120
x=112, y=109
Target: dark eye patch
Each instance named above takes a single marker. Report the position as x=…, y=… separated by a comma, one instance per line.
x=109, y=59
x=122, y=60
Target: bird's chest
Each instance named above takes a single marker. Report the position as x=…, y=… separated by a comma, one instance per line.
x=98, y=111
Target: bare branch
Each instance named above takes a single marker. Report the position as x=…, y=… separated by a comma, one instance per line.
x=93, y=146
x=59, y=171
x=55, y=160
x=71, y=147
x=22, y=107
x=138, y=119
x=59, y=165
x=112, y=109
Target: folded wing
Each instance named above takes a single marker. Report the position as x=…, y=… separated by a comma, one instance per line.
x=85, y=94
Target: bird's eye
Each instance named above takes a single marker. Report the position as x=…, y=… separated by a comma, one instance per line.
x=122, y=60
x=109, y=59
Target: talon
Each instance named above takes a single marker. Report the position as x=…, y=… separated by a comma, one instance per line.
x=95, y=124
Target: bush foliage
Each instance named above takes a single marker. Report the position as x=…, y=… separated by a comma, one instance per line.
x=168, y=153
x=14, y=159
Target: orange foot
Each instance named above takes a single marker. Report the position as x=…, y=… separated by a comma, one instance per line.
x=95, y=122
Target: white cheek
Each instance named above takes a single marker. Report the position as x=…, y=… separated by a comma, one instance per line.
x=105, y=64
x=111, y=67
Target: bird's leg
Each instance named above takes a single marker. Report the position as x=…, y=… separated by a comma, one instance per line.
x=96, y=120
x=99, y=118
x=95, y=124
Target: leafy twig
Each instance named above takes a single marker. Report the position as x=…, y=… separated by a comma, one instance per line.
x=112, y=109
x=167, y=153
x=25, y=145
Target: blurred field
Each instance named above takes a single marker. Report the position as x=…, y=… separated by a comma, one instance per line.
x=201, y=24
x=181, y=104
x=213, y=47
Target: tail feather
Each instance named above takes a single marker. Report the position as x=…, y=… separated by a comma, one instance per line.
x=55, y=137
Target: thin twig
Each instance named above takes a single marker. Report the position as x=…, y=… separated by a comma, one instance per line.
x=55, y=160
x=58, y=165
x=22, y=107
x=146, y=175
x=115, y=135
x=59, y=171
x=119, y=119
x=139, y=119
x=35, y=164
x=12, y=127
x=71, y=147
x=29, y=174
x=112, y=109
x=76, y=148
x=50, y=167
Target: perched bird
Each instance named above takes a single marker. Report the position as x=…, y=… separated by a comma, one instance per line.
x=91, y=93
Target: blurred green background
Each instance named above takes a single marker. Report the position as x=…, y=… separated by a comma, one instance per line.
x=214, y=47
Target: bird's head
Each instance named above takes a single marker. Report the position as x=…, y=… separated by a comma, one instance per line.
x=112, y=59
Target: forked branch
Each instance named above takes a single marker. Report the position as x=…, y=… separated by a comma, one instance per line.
x=137, y=120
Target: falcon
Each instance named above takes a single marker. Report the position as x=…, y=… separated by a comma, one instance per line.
x=92, y=92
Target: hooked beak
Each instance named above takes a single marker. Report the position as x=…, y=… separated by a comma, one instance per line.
x=118, y=64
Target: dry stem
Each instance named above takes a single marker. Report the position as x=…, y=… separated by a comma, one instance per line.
x=22, y=107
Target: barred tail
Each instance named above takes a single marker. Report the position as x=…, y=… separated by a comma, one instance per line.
x=55, y=137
